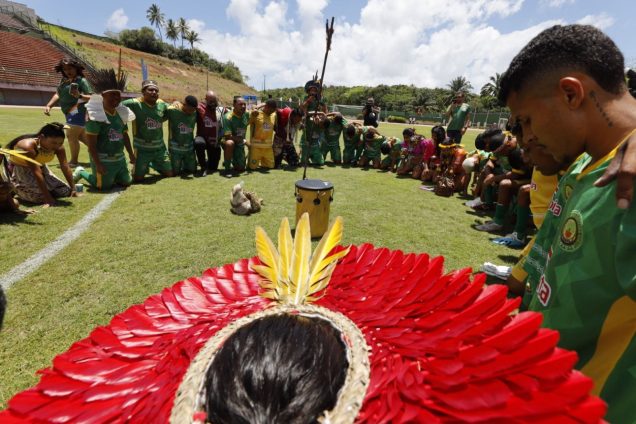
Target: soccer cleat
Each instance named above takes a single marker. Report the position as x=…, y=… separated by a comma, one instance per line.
x=77, y=173
x=500, y=271
x=474, y=203
x=490, y=226
x=511, y=240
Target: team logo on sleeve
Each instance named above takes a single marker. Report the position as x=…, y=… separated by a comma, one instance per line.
x=544, y=291
x=571, y=232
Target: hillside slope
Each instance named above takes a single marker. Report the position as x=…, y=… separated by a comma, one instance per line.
x=176, y=79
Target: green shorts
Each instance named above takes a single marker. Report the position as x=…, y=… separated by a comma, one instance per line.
x=182, y=161
x=238, y=159
x=312, y=153
x=332, y=148
x=155, y=159
x=116, y=173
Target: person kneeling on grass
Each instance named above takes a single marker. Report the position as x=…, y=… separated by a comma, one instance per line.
x=150, y=149
x=334, y=126
x=33, y=180
x=8, y=202
x=235, y=128
x=182, y=118
x=263, y=123
x=417, y=149
x=107, y=133
x=372, y=144
x=393, y=149
x=352, y=136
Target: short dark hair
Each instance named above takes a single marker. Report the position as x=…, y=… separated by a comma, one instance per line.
x=271, y=103
x=496, y=141
x=191, y=101
x=410, y=132
x=515, y=159
x=351, y=130
x=282, y=368
x=480, y=141
x=579, y=47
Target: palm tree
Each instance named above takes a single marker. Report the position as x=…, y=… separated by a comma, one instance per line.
x=192, y=37
x=156, y=18
x=183, y=28
x=457, y=84
x=491, y=89
x=172, y=32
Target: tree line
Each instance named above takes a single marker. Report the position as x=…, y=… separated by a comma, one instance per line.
x=144, y=39
x=405, y=98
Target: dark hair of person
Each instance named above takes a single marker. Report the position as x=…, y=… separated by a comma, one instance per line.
x=52, y=129
x=385, y=148
x=515, y=159
x=69, y=61
x=278, y=369
x=271, y=103
x=631, y=81
x=296, y=112
x=491, y=132
x=408, y=132
x=191, y=101
x=496, y=141
x=351, y=130
x=583, y=48
x=438, y=132
x=480, y=142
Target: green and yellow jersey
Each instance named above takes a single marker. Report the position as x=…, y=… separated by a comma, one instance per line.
x=67, y=101
x=181, y=128
x=110, y=136
x=587, y=290
x=262, y=134
x=235, y=126
x=148, y=123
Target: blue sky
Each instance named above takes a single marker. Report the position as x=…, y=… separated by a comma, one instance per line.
x=420, y=42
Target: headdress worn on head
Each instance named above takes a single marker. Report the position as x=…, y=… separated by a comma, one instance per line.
x=314, y=82
x=440, y=347
x=104, y=81
x=149, y=84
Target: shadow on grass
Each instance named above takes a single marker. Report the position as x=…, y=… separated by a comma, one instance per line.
x=150, y=180
x=509, y=259
x=12, y=218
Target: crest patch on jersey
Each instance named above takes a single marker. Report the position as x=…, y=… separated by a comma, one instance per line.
x=571, y=232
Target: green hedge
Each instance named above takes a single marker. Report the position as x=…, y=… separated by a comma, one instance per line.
x=399, y=119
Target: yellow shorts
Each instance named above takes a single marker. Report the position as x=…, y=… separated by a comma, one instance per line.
x=261, y=155
x=518, y=272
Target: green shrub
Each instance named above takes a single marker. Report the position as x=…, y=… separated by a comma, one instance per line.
x=398, y=119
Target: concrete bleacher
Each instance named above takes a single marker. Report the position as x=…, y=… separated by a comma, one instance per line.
x=29, y=60
x=8, y=21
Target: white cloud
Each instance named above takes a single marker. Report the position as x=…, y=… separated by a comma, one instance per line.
x=601, y=21
x=556, y=3
x=403, y=42
x=117, y=21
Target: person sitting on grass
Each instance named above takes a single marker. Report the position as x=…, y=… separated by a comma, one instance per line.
x=433, y=162
x=475, y=162
x=507, y=185
x=150, y=148
x=107, y=133
x=263, y=123
x=33, y=181
x=371, y=153
x=416, y=150
x=353, y=140
x=494, y=141
x=334, y=125
x=288, y=122
x=182, y=117
x=235, y=125
x=8, y=202
x=72, y=92
x=393, y=149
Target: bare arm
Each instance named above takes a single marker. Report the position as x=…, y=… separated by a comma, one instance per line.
x=50, y=104
x=66, y=170
x=131, y=153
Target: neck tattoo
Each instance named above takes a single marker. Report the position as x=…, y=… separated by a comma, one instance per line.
x=600, y=109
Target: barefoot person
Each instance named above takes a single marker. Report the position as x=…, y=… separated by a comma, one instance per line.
x=34, y=182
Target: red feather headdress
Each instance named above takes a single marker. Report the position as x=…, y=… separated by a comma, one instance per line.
x=442, y=347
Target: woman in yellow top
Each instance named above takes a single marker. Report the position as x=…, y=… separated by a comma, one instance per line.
x=36, y=183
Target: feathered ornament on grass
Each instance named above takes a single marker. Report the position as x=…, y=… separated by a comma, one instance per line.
x=20, y=154
x=292, y=275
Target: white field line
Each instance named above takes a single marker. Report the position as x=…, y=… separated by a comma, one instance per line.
x=39, y=258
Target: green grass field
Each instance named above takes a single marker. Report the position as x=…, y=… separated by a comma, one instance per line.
x=158, y=233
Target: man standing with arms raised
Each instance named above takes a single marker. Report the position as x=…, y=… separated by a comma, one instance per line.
x=209, y=133
x=566, y=91
x=458, y=114
x=150, y=148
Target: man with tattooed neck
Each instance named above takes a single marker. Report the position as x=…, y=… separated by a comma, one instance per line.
x=566, y=91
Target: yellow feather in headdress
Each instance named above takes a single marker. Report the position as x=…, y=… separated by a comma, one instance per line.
x=293, y=275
